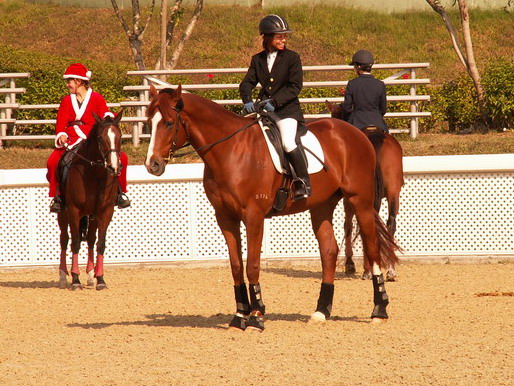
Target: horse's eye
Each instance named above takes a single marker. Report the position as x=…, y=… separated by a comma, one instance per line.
x=169, y=124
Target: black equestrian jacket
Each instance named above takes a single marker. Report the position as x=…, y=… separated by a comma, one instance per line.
x=283, y=84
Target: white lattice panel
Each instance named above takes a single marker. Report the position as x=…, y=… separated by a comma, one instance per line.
x=440, y=214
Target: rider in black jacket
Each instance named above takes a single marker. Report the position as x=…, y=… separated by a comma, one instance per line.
x=279, y=71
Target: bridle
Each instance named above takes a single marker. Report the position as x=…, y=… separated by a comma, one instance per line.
x=104, y=154
x=175, y=126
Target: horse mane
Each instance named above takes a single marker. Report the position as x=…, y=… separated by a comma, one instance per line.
x=93, y=134
x=166, y=108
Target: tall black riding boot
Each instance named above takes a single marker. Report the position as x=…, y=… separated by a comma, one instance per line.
x=301, y=184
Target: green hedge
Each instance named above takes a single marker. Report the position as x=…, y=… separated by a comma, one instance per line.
x=455, y=102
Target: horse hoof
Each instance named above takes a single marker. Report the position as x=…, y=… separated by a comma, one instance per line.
x=255, y=322
x=366, y=276
x=391, y=276
x=101, y=286
x=349, y=269
x=91, y=279
x=378, y=321
x=317, y=318
x=75, y=287
x=238, y=323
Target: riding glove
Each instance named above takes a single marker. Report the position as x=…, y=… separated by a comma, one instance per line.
x=269, y=107
x=249, y=107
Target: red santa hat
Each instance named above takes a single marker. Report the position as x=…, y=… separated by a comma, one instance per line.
x=77, y=71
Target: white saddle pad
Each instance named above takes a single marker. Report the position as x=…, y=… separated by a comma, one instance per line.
x=309, y=141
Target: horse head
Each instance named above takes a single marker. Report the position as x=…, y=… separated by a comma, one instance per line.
x=166, y=123
x=336, y=110
x=108, y=136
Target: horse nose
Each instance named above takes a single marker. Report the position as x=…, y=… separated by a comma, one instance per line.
x=155, y=168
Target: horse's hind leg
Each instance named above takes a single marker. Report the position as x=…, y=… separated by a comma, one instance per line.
x=349, y=265
x=393, y=202
x=369, y=223
x=321, y=219
x=64, y=239
x=91, y=238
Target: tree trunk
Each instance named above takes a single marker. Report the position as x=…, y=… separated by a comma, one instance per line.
x=471, y=63
x=467, y=60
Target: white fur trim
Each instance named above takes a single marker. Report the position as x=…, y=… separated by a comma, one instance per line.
x=79, y=132
x=108, y=114
x=79, y=112
x=75, y=77
x=57, y=136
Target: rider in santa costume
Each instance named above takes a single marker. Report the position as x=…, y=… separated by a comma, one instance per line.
x=74, y=122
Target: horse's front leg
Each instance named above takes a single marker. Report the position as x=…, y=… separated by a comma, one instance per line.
x=321, y=219
x=91, y=239
x=74, y=219
x=64, y=239
x=103, y=224
x=349, y=265
x=254, y=223
x=230, y=228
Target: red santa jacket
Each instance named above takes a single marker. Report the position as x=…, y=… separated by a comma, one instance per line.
x=76, y=120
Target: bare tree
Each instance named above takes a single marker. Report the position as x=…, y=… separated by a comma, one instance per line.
x=175, y=15
x=136, y=32
x=466, y=55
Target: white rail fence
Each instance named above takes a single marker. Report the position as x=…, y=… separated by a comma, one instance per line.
x=451, y=206
x=139, y=106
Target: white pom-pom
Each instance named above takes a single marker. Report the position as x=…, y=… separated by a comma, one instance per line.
x=88, y=74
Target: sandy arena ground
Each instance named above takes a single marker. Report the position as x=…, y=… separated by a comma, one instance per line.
x=450, y=324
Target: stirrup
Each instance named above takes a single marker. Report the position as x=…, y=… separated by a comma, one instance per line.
x=122, y=201
x=57, y=205
x=301, y=189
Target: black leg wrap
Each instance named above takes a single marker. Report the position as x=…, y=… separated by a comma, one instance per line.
x=256, y=321
x=242, y=303
x=256, y=303
x=238, y=321
x=326, y=295
x=380, y=298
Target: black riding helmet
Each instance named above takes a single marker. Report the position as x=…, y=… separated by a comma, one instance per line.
x=273, y=24
x=362, y=57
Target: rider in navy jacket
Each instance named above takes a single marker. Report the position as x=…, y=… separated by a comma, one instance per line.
x=365, y=96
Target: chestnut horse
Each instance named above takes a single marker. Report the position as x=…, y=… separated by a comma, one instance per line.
x=90, y=193
x=240, y=182
x=389, y=182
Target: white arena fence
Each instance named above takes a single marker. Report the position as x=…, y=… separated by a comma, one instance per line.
x=9, y=92
x=450, y=206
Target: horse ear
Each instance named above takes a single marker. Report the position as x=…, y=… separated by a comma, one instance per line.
x=329, y=106
x=118, y=117
x=97, y=118
x=153, y=91
x=178, y=91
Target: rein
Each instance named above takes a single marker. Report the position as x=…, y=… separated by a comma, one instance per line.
x=201, y=148
x=102, y=163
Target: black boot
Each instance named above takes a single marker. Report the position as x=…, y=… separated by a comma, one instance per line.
x=57, y=205
x=122, y=200
x=301, y=184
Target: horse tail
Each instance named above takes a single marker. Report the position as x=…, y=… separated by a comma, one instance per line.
x=386, y=243
x=377, y=140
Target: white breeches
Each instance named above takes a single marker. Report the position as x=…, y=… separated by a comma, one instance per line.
x=287, y=127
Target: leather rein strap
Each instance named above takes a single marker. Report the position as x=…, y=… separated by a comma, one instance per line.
x=201, y=148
